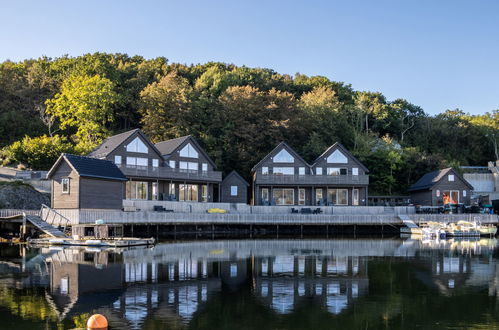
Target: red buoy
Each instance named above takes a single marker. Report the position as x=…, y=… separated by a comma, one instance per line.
x=97, y=321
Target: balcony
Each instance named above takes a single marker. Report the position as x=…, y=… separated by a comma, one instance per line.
x=279, y=179
x=167, y=173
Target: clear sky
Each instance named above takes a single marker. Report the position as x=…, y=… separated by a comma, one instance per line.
x=437, y=54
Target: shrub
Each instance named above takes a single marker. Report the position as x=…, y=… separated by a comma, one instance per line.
x=38, y=152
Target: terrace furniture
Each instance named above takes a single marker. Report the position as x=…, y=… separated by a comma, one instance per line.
x=306, y=210
x=293, y=210
x=317, y=211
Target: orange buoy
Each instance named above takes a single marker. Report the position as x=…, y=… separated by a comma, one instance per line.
x=97, y=321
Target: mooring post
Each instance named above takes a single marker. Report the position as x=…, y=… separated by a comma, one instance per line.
x=277, y=231
x=132, y=230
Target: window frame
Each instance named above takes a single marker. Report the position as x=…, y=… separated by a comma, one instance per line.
x=65, y=181
x=233, y=189
x=116, y=157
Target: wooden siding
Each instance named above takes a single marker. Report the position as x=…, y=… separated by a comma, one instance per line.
x=310, y=193
x=101, y=194
x=121, y=151
x=428, y=197
x=322, y=162
x=175, y=155
x=242, y=190
x=65, y=200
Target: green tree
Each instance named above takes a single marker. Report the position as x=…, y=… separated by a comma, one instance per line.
x=85, y=104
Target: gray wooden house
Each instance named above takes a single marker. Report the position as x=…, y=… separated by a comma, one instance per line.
x=86, y=183
x=234, y=189
x=175, y=170
x=441, y=187
x=335, y=178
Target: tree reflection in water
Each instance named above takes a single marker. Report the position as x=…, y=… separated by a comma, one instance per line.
x=265, y=284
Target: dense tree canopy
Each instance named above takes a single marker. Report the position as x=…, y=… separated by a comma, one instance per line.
x=238, y=114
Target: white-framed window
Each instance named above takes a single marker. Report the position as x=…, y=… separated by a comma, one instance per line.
x=318, y=171
x=265, y=170
x=337, y=196
x=301, y=170
x=154, y=191
x=451, y=177
x=172, y=163
x=65, y=185
x=318, y=195
x=284, y=170
x=189, y=151
x=355, y=197
x=171, y=190
x=136, y=161
x=191, y=166
x=137, y=146
x=464, y=193
x=205, y=167
x=188, y=192
x=136, y=190
x=64, y=288
x=265, y=195
x=283, y=156
x=437, y=193
x=333, y=171
x=283, y=196
x=337, y=157
x=301, y=196
x=117, y=160
x=233, y=190
x=155, y=163
x=355, y=171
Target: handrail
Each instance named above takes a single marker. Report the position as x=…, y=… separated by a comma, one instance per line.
x=49, y=209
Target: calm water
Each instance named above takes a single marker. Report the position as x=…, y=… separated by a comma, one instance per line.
x=255, y=284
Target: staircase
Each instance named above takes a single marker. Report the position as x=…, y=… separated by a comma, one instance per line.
x=41, y=222
x=45, y=227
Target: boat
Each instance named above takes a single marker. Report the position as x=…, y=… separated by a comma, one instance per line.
x=116, y=242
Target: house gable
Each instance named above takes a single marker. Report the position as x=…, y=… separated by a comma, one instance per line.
x=185, y=148
x=282, y=155
x=338, y=156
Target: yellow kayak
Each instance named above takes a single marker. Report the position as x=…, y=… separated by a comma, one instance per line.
x=215, y=210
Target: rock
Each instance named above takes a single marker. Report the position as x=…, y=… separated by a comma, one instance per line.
x=19, y=195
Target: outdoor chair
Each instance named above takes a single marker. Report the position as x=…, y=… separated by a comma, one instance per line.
x=317, y=211
x=293, y=210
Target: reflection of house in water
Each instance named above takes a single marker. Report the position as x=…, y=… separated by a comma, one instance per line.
x=283, y=281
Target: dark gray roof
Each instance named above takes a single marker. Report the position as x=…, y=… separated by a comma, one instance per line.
x=429, y=179
x=111, y=143
x=91, y=167
x=169, y=146
x=234, y=173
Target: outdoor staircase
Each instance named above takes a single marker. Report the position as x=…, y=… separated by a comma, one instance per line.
x=45, y=226
x=42, y=223
x=407, y=221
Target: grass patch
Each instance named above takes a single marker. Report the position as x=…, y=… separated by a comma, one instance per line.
x=16, y=183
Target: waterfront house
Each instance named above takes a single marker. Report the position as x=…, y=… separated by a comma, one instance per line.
x=174, y=170
x=85, y=183
x=234, y=189
x=485, y=181
x=441, y=187
x=335, y=178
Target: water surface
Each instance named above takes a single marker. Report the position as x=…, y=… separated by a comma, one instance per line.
x=343, y=283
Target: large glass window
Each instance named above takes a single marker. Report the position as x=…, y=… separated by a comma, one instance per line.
x=284, y=170
x=204, y=193
x=154, y=191
x=188, y=192
x=136, y=161
x=451, y=177
x=117, y=160
x=301, y=196
x=355, y=196
x=265, y=195
x=337, y=157
x=355, y=171
x=318, y=195
x=337, y=196
x=155, y=163
x=171, y=163
x=265, y=170
x=205, y=167
x=318, y=171
x=137, y=146
x=333, y=171
x=171, y=190
x=136, y=190
x=190, y=166
x=451, y=197
x=283, y=196
x=301, y=171
x=189, y=151
x=283, y=156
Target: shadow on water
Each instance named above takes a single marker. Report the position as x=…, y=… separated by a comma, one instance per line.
x=227, y=283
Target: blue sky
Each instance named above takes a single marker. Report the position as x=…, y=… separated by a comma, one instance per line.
x=437, y=54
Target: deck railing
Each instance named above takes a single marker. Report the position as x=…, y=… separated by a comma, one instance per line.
x=170, y=173
x=309, y=179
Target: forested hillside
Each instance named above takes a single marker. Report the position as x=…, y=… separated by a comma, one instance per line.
x=49, y=106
